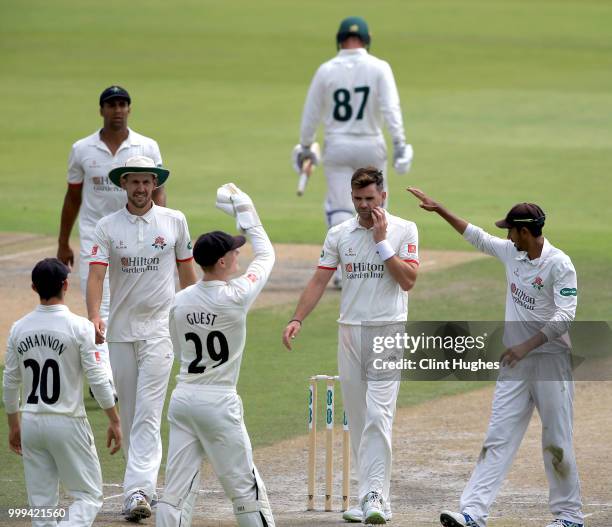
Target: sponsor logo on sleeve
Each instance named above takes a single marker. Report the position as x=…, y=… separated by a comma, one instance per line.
x=94, y=250
x=189, y=245
x=569, y=291
x=322, y=254
x=252, y=277
x=412, y=248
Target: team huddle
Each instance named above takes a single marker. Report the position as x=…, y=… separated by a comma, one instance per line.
x=131, y=246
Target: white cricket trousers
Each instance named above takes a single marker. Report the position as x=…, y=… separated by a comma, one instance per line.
x=207, y=421
x=104, y=311
x=517, y=392
x=370, y=409
x=141, y=370
x=61, y=448
x=343, y=154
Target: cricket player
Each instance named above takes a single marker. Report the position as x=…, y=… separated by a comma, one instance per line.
x=541, y=302
x=141, y=244
x=90, y=193
x=378, y=257
x=48, y=351
x=208, y=328
x=351, y=94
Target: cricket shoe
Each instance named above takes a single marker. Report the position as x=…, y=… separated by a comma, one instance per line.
x=372, y=507
x=456, y=519
x=137, y=507
x=355, y=515
x=564, y=523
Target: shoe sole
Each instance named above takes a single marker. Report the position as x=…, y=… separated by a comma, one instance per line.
x=447, y=521
x=139, y=513
x=375, y=518
x=351, y=519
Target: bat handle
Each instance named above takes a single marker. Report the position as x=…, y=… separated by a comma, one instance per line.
x=304, y=175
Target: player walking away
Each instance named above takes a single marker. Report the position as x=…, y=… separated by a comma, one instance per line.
x=141, y=244
x=541, y=291
x=208, y=328
x=48, y=351
x=90, y=194
x=387, y=247
x=351, y=94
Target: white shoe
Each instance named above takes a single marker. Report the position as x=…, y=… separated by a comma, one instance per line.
x=456, y=519
x=564, y=523
x=137, y=507
x=355, y=515
x=372, y=507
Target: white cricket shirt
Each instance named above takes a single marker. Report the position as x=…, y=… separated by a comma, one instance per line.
x=47, y=352
x=141, y=253
x=89, y=163
x=352, y=93
x=369, y=292
x=208, y=320
x=541, y=295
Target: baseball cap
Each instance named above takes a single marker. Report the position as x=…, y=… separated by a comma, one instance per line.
x=522, y=214
x=114, y=92
x=139, y=164
x=48, y=276
x=213, y=245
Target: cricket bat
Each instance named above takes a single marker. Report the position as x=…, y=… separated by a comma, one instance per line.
x=307, y=168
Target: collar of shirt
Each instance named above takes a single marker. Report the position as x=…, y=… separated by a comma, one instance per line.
x=356, y=225
x=352, y=52
x=212, y=283
x=131, y=140
x=147, y=217
x=522, y=255
x=53, y=307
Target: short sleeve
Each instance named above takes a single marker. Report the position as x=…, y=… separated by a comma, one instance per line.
x=329, y=258
x=182, y=248
x=409, y=247
x=100, y=250
x=76, y=174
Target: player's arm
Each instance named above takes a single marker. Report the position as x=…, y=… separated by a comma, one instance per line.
x=476, y=236
x=184, y=255
x=159, y=194
x=308, y=300
x=313, y=109
x=11, y=383
x=404, y=273
x=70, y=211
x=186, y=272
x=93, y=297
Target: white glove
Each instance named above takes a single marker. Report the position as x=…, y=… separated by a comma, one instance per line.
x=402, y=158
x=232, y=201
x=301, y=153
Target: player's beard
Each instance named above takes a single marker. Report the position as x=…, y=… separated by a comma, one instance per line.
x=140, y=200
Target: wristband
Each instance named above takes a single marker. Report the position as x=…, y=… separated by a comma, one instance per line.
x=295, y=320
x=385, y=251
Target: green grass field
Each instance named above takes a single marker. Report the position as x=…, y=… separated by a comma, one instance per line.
x=504, y=101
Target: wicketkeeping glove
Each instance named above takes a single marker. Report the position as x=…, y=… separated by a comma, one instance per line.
x=232, y=201
x=300, y=154
x=402, y=157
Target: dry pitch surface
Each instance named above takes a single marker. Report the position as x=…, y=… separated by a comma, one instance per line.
x=435, y=444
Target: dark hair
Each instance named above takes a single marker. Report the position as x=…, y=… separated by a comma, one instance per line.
x=364, y=177
x=48, y=277
x=535, y=228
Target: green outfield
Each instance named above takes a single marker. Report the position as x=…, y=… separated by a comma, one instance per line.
x=503, y=101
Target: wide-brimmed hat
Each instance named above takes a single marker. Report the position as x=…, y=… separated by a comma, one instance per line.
x=139, y=164
x=522, y=214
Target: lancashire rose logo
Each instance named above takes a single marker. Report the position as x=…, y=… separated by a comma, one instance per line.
x=94, y=250
x=159, y=243
x=538, y=283
x=349, y=268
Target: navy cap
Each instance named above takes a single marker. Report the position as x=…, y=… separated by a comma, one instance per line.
x=522, y=214
x=211, y=246
x=114, y=92
x=48, y=276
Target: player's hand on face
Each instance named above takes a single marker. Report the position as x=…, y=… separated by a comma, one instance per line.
x=15, y=440
x=113, y=435
x=291, y=331
x=65, y=255
x=100, y=328
x=380, y=224
x=426, y=202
